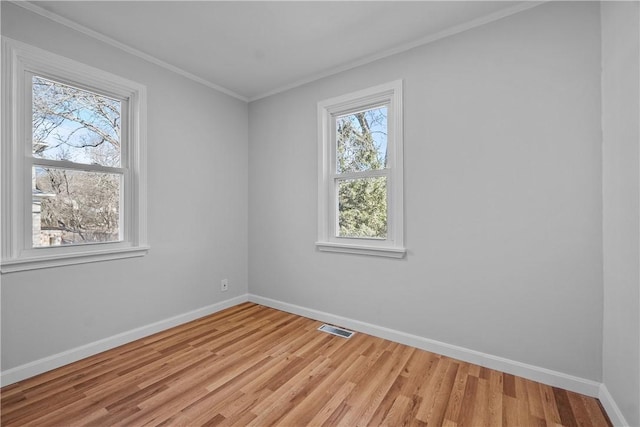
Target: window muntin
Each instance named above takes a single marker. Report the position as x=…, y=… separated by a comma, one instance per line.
x=360, y=172
x=103, y=158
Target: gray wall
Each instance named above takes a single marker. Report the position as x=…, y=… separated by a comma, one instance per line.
x=502, y=194
x=621, y=216
x=197, y=173
x=503, y=187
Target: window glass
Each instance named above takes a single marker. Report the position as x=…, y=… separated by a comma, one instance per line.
x=75, y=207
x=362, y=141
x=74, y=124
x=362, y=207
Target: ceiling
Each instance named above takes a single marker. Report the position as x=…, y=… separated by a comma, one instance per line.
x=250, y=49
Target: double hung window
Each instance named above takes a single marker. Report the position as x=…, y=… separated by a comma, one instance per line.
x=360, y=172
x=73, y=186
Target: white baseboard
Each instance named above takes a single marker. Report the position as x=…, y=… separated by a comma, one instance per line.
x=535, y=373
x=615, y=415
x=36, y=367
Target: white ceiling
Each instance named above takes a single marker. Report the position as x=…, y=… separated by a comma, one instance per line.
x=250, y=49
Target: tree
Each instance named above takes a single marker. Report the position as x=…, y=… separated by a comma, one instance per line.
x=74, y=124
x=361, y=146
x=82, y=127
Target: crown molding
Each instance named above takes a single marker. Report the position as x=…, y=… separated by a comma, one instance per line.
x=456, y=29
x=119, y=45
x=474, y=23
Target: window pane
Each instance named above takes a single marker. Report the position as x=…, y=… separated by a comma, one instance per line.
x=362, y=207
x=73, y=207
x=362, y=141
x=74, y=124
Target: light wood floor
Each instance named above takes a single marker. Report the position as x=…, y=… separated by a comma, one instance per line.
x=255, y=366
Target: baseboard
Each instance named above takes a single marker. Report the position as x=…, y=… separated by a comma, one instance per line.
x=36, y=367
x=535, y=373
x=615, y=415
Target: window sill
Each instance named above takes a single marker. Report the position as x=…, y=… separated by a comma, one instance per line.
x=59, y=260
x=388, y=252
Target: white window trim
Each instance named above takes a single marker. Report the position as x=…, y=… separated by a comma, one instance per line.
x=18, y=59
x=389, y=94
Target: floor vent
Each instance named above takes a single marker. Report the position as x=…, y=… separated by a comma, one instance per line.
x=334, y=330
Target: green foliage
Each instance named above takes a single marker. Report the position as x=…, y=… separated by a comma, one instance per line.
x=362, y=202
x=362, y=206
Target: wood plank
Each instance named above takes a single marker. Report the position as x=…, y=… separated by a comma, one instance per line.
x=597, y=413
x=495, y=398
x=551, y=413
x=438, y=409
x=567, y=416
x=322, y=416
x=376, y=395
x=341, y=365
x=452, y=413
x=535, y=400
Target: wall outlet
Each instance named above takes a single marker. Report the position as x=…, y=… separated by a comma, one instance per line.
x=224, y=285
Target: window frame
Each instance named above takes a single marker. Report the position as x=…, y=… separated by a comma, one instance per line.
x=20, y=62
x=389, y=95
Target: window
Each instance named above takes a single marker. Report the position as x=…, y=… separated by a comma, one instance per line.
x=360, y=195
x=73, y=162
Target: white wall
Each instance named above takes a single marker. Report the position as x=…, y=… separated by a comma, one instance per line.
x=621, y=216
x=502, y=191
x=197, y=224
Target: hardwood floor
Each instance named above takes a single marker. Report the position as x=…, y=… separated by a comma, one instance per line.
x=255, y=366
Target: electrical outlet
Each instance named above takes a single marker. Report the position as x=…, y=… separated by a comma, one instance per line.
x=224, y=285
